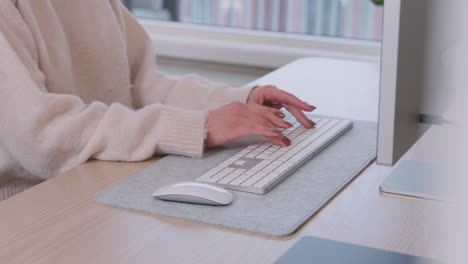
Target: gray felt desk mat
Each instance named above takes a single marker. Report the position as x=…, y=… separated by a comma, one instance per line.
x=279, y=212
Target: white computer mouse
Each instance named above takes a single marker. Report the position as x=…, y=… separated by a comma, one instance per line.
x=194, y=192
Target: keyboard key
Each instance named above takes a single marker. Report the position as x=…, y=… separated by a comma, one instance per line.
x=274, y=148
x=240, y=162
x=284, y=167
x=243, y=177
x=254, y=146
x=265, y=157
x=283, y=157
x=267, y=179
x=221, y=174
x=226, y=179
x=243, y=152
x=211, y=172
x=256, y=177
x=240, y=172
x=276, y=155
x=287, y=132
x=229, y=161
x=262, y=165
x=272, y=166
x=267, y=145
x=253, y=153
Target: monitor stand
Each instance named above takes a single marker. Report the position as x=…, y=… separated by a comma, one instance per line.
x=417, y=179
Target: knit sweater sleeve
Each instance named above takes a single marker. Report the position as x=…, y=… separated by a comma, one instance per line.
x=150, y=85
x=49, y=133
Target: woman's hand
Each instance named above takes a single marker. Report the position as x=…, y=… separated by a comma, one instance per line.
x=236, y=120
x=259, y=116
x=271, y=96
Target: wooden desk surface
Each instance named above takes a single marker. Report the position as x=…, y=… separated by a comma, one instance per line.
x=59, y=222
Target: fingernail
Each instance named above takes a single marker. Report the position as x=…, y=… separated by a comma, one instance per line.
x=312, y=123
x=311, y=106
x=289, y=124
x=284, y=144
x=281, y=115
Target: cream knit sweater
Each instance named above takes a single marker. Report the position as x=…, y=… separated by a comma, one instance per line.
x=78, y=81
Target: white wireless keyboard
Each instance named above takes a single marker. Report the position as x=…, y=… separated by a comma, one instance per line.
x=259, y=167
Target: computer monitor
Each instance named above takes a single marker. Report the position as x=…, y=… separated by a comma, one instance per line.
x=416, y=34
x=419, y=40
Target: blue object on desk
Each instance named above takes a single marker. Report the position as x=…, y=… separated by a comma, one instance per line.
x=323, y=251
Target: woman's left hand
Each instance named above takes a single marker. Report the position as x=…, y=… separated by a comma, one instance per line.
x=271, y=96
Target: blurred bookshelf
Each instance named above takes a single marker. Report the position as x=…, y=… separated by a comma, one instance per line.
x=351, y=19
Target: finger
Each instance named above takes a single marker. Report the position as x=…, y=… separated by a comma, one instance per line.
x=270, y=109
x=275, y=120
x=261, y=119
x=266, y=116
x=260, y=130
x=300, y=116
x=285, y=97
x=280, y=114
x=280, y=140
x=274, y=105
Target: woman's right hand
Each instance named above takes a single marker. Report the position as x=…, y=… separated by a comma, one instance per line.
x=236, y=120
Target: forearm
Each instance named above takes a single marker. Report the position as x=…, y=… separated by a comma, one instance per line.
x=49, y=133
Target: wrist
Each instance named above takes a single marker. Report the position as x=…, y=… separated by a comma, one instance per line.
x=207, y=142
x=251, y=96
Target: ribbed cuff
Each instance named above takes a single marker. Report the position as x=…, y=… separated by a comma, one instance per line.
x=225, y=96
x=182, y=132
